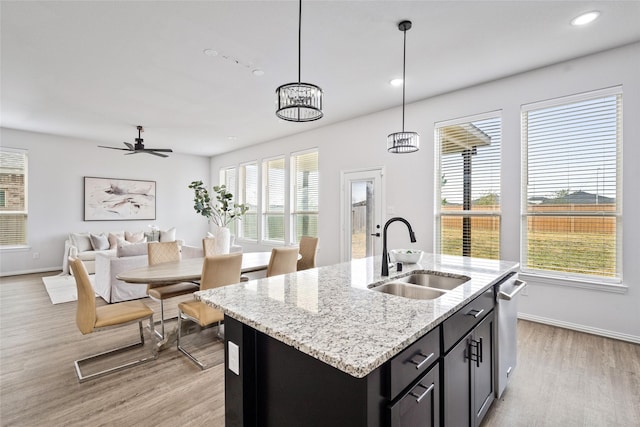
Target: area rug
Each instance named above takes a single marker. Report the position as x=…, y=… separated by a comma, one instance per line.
x=62, y=288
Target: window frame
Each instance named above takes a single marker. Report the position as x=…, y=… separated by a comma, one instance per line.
x=233, y=226
x=25, y=211
x=590, y=281
x=265, y=197
x=242, y=197
x=293, y=193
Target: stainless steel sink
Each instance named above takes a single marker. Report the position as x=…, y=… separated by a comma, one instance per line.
x=422, y=285
x=408, y=290
x=434, y=280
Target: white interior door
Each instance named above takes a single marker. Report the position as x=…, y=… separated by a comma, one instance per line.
x=361, y=213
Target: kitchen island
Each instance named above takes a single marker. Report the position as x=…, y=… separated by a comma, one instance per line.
x=316, y=347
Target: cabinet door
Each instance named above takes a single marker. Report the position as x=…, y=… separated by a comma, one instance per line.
x=420, y=405
x=457, y=385
x=483, y=385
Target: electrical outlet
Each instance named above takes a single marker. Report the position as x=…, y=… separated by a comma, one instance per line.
x=234, y=358
x=36, y=255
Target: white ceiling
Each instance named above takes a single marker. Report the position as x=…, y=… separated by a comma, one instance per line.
x=96, y=69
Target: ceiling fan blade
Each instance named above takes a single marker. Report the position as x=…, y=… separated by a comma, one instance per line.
x=129, y=145
x=163, y=150
x=114, y=148
x=132, y=152
x=155, y=154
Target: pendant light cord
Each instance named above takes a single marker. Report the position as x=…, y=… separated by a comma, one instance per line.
x=299, y=38
x=404, y=63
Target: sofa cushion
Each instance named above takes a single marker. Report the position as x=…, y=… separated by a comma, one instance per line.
x=134, y=237
x=99, y=242
x=81, y=241
x=113, y=238
x=132, y=249
x=168, y=235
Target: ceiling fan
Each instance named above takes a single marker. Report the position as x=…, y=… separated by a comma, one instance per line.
x=139, y=147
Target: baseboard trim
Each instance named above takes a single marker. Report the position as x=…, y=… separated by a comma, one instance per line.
x=580, y=328
x=31, y=271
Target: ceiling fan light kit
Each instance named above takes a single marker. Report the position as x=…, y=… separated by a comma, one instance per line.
x=299, y=102
x=139, y=146
x=405, y=141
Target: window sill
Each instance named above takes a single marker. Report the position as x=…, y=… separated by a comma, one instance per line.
x=617, y=288
x=16, y=248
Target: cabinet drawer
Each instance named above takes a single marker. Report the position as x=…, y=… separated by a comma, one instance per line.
x=466, y=318
x=420, y=405
x=412, y=362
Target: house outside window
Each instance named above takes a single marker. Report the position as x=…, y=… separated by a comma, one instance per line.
x=273, y=205
x=467, y=205
x=571, y=210
x=304, y=195
x=228, y=178
x=248, y=194
x=13, y=186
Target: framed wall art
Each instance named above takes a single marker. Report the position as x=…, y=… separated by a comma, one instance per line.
x=111, y=199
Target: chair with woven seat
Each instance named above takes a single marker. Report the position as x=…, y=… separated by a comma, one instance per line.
x=217, y=270
x=308, y=251
x=160, y=252
x=282, y=261
x=90, y=318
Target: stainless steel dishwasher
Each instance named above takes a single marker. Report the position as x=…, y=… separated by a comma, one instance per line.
x=507, y=314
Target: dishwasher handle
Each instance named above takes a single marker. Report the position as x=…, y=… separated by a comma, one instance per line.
x=520, y=285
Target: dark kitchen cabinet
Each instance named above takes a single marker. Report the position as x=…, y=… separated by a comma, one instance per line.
x=419, y=406
x=468, y=376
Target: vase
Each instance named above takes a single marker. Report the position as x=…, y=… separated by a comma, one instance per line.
x=222, y=244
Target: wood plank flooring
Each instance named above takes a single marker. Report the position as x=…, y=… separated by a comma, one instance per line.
x=564, y=378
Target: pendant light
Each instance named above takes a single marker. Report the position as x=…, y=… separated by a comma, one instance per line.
x=403, y=142
x=299, y=102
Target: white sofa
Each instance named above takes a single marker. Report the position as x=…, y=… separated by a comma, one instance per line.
x=108, y=265
x=85, y=246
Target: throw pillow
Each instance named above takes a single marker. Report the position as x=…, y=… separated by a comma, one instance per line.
x=168, y=235
x=134, y=237
x=152, y=236
x=81, y=241
x=113, y=238
x=99, y=242
x=131, y=249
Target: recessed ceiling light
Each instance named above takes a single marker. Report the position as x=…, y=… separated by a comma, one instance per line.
x=585, y=18
x=395, y=82
x=232, y=138
x=257, y=72
x=210, y=52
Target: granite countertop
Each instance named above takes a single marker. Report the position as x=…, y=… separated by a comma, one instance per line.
x=330, y=314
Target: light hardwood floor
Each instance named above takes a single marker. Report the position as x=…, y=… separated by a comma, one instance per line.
x=564, y=378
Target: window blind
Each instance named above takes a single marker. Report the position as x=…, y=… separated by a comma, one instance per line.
x=305, y=190
x=571, y=192
x=249, y=196
x=468, y=194
x=13, y=210
x=228, y=178
x=274, y=199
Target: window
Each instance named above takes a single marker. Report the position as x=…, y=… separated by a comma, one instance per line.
x=228, y=178
x=248, y=195
x=273, y=205
x=304, y=194
x=13, y=207
x=468, y=186
x=571, y=186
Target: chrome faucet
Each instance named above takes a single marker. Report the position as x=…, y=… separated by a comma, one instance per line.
x=385, y=256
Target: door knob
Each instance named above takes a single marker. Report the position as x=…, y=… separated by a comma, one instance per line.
x=376, y=234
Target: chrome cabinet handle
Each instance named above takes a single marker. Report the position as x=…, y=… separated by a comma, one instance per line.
x=520, y=285
x=427, y=391
x=421, y=364
x=475, y=313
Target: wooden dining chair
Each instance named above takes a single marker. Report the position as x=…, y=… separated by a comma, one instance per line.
x=282, y=261
x=308, y=251
x=160, y=252
x=217, y=270
x=90, y=318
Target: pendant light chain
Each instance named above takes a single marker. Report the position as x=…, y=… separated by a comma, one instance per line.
x=299, y=40
x=404, y=66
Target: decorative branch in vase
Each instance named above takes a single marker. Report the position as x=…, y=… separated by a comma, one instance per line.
x=221, y=211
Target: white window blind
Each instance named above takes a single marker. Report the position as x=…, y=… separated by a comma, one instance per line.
x=571, y=186
x=305, y=194
x=249, y=196
x=228, y=178
x=468, y=186
x=274, y=199
x=13, y=183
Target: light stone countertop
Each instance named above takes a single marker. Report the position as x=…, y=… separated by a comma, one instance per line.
x=330, y=314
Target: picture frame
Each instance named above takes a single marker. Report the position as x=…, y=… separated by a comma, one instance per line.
x=116, y=199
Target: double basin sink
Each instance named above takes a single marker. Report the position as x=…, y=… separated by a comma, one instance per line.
x=421, y=284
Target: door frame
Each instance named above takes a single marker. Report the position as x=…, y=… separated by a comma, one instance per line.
x=381, y=170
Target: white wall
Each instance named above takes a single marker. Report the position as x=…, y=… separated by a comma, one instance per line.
x=361, y=142
x=57, y=166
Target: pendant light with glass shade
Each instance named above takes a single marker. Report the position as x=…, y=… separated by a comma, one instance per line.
x=403, y=142
x=299, y=102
